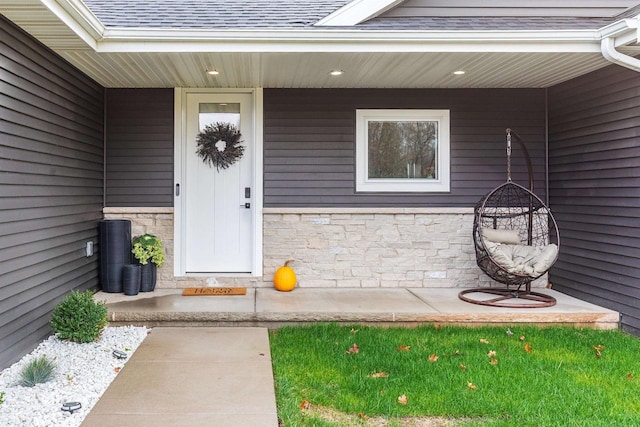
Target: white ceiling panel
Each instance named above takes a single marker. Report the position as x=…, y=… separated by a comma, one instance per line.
x=298, y=70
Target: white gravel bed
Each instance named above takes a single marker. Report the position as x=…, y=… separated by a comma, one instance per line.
x=83, y=373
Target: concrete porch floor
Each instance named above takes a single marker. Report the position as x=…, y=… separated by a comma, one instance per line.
x=267, y=307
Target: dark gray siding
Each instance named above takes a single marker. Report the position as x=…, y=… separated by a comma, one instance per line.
x=51, y=185
x=309, y=143
x=139, y=147
x=594, y=175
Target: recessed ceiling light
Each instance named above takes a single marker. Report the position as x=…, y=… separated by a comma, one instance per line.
x=458, y=72
x=336, y=72
x=213, y=72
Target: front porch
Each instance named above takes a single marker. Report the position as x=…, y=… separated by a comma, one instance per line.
x=382, y=306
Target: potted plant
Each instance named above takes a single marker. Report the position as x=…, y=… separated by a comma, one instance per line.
x=148, y=251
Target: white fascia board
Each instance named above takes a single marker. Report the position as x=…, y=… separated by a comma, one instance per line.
x=163, y=40
x=357, y=11
x=77, y=16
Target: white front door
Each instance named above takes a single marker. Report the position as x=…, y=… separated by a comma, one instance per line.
x=217, y=214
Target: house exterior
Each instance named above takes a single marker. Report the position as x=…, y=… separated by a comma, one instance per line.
x=103, y=102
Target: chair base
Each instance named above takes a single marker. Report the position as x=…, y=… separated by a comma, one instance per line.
x=530, y=299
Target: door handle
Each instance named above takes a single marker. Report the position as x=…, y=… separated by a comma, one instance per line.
x=246, y=206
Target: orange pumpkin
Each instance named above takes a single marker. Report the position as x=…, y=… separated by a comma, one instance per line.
x=285, y=278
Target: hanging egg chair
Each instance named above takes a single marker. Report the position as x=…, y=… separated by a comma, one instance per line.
x=516, y=242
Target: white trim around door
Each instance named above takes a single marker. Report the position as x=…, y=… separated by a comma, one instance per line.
x=180, y=175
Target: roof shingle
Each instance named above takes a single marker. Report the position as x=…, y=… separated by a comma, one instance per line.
x=212, y=14
x=303, y=14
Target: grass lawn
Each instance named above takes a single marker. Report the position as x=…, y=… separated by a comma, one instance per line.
x=495, y=376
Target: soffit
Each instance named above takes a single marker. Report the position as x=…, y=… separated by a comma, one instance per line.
x=39, y=21
x=311, y=70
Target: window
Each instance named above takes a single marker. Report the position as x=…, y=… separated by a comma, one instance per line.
x=402, y=150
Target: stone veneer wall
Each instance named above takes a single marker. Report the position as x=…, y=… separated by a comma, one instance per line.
x=374, y=247
x=344, y=247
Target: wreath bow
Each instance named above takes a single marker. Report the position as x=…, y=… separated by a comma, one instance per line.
x=219, y=145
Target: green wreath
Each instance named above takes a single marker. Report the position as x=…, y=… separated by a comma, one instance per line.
x=219, y=145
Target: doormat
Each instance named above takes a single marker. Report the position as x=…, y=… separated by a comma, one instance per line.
x=214, y=291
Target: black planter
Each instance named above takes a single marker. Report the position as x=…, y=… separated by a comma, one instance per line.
x=148, y=277
x=115, y=252
x=131, y=279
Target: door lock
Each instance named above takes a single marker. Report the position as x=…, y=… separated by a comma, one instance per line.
x=246, y=206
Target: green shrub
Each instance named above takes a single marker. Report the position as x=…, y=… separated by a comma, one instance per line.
x=148, y=248
x=1, y=397
x=39, y=370
x=79, y=318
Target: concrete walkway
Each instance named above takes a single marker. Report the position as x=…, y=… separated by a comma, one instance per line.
x=193, y=377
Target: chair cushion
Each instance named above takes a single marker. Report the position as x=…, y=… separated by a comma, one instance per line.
x=531, y=261
x=501, y=236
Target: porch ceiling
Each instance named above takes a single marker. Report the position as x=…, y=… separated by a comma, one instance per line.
x=311, y=70
x=272, y=59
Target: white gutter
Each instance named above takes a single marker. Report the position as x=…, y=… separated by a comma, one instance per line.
x=325, y=40
x=612, y=36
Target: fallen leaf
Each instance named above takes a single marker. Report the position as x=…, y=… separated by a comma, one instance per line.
x=630, y=377
x=379, y=375
x=463, y=367
x=305, y=405
x=354, y=349
x=492, y=353
x=438, y=326
x=598, y=348
x=527, y=348
x=354, y=331
x=116, y=369
x=472, y=386
x=433, y=358
x=494, y=361
x=403, y=347
x=483, y=341
x=403, y=400
x=522, y=338
x=362, y=416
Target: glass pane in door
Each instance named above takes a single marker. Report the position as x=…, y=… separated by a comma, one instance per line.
x=218, y=112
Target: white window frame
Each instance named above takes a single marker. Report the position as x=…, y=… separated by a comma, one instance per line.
x=366, y=184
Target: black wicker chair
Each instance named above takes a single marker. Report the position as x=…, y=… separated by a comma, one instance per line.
x=516, y=241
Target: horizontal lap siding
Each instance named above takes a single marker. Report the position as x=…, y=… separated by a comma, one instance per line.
x=309, y=143
x=604, y=8
x=139, y=147
x=51, y=186
x=594, y=174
